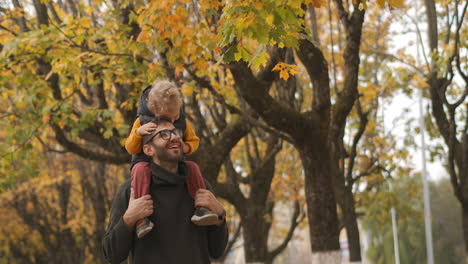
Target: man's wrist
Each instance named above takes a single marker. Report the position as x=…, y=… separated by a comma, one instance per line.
x=128, y=221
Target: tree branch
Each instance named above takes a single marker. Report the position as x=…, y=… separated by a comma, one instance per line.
x=255, y=92
x=345, y=100
x=362, y=127
x=296, y=219
x=50, y=6
x=393, y=57
x=41, y=13
x=317, y=68
x=115, y=158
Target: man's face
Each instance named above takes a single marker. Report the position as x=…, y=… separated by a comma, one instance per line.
x=167, y=150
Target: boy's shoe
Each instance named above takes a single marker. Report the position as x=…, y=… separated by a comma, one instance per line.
x=144, y=227
x=204, y=217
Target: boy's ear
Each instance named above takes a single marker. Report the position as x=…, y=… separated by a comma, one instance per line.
x=148, y=150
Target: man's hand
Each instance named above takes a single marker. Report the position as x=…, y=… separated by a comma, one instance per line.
x=146, y=129
x=137, y=209
x=206, y=199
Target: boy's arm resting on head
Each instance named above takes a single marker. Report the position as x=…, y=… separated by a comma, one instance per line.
x=118, y=240
x=190, y=138
x=133, y=142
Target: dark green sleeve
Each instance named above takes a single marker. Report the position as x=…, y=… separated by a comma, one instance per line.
x=118, y=240
x=217, y=235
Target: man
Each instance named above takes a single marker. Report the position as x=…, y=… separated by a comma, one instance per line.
x=174, y=238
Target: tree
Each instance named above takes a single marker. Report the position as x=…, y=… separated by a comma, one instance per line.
x=59, y=215
x=82, y=75
x=317, y=131
x=447, y=80
x=241, y=173
x=82, y=88
x=404, y=197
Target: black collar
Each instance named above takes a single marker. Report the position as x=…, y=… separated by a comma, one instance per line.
x=162, y=176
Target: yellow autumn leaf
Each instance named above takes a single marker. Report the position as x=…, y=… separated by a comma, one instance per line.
x=201, y=64
x=269, y=19
x=318, y=3
x=284, y=75
x=294, y=70
x=144, y=36
x=187, y=90
x=396, y=3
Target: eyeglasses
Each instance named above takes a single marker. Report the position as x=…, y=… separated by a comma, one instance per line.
x=166, y=134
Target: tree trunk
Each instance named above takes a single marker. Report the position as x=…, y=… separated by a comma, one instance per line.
x=255, y=241
x=465, y=226
x=351, y=225
x=462, y=164
x=321, y=205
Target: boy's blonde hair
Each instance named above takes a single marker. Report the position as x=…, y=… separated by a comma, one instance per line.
x=164, y=96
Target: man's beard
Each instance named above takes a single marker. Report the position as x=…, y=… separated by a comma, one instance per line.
x=165, y=156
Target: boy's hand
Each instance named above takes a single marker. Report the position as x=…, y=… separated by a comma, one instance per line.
x=146, y=129
x=185, y=147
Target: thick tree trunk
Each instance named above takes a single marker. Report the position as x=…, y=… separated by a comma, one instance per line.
x=255, y=241
x=461, y=158
x=465, y=226
x=321, y=205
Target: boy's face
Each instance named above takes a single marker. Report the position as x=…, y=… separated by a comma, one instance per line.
x=171, y=114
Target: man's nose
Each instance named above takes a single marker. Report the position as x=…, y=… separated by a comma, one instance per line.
x=175, y=137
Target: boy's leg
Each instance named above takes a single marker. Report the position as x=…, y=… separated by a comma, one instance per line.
x=141, y=180
x=195, y=179
x=202, y=216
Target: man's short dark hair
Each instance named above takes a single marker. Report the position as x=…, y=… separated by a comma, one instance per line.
x=158, y=121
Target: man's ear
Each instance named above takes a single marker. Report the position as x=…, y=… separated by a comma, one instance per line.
x=148, y=150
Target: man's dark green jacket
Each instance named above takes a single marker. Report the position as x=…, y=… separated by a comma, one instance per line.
x=174, y=238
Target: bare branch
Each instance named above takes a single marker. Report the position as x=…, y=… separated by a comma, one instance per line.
x=8, y=30
x=231, y=242
x=330, y=21
x=362, y=127
x=420, y=41
x=393, y=57
x=205, y=83
x=296, y=218
x=76, y=45
x=115, y=158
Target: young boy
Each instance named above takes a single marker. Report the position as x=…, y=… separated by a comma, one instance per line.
x=163, y=99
